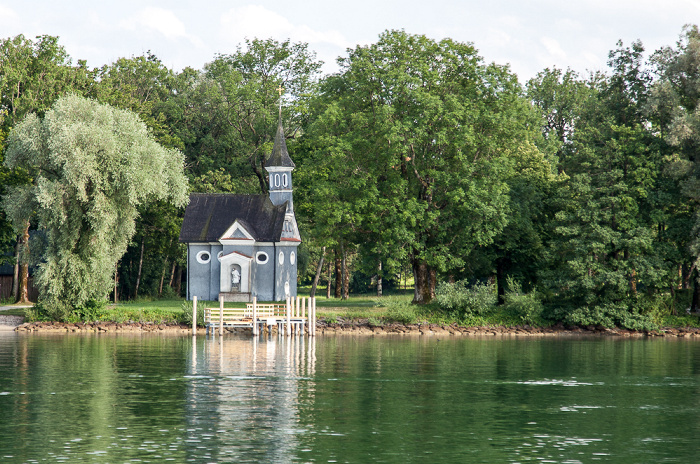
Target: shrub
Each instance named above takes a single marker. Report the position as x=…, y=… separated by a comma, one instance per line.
x=611, y=315
x=475, y=300
x=525, y=306
x=186, y=316
x=400, y=310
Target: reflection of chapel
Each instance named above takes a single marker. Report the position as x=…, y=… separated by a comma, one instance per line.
x=240, y=246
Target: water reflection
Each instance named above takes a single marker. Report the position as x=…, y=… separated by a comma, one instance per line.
x=246, y=395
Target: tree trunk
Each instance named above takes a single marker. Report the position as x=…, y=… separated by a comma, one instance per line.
x=23, y=290
x=15, y=276
x=116, y=282
x=338, y=275
x=379, y=279
x=138, y=275
x=318, y=273
x=422, y=293
x=501, y=280
x=178, y=280
x=172, y=274
x=328, y=286
x=162, y=277
x=346, y=275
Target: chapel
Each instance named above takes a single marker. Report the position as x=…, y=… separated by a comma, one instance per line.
x=244, y=246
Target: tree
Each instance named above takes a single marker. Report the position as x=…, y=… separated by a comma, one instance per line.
x=227, y=116
x=419, y=133
x=673, y=106
x=92, y=167
x=605, y=254
x=33, y=74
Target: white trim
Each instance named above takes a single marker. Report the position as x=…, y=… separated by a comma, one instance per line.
x=257, y=244
x=280, y=258
x=292, y=258
x=220, y=255
x=201, y=260
x=232, y=229
x=259, y=254
x=278, y=168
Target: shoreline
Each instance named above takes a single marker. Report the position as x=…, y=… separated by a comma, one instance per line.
x=358, y=328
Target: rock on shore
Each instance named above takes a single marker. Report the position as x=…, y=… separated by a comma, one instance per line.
x=362, y=327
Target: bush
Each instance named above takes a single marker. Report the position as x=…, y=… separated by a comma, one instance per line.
x=611, y=315
x=476, y=300
x=186, y=316
x=59, y=311
x=400, y=310
x=525, y=306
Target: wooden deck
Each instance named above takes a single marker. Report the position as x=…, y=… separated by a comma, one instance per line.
x=291, y=317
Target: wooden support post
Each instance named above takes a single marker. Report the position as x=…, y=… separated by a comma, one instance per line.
x=303, y=314
x=194, y=315
x=314, y=321
x=255, y=315
x=221, y=316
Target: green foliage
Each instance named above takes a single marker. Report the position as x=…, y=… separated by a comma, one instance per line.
x=609, y=316
x=527, y=307
x=185, y=317
x=468, y=300
x=93, y=165
x=400, y=310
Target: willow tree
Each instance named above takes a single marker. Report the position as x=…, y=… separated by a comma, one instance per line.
x=92, y=167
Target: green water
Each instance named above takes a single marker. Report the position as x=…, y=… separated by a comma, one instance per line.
x=118, y=399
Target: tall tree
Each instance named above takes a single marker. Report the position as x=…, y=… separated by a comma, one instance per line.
x=418, y=130
x=92, y=166
x=674, y=107
x=33, y=74
x=606, y=234
x=227, y=116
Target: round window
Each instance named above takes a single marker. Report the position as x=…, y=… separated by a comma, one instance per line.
x=203, y=257
x=261, y=257
x=292, y=258
x=281, y=257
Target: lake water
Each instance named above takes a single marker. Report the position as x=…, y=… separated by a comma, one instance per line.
x=119, y=399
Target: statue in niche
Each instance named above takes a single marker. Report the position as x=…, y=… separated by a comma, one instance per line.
x=235, y=278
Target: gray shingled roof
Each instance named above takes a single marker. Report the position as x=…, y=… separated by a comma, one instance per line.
x=209, y=215
x=280, y=155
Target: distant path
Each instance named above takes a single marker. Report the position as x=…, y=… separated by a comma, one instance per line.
x=10, y=322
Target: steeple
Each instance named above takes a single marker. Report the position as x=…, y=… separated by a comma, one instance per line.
x=279, y=156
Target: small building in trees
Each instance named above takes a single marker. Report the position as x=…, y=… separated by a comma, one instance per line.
x=244, y=246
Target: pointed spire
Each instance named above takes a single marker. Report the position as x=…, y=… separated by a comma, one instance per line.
x=280, y=155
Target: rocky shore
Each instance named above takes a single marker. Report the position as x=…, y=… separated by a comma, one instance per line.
x=362, y=327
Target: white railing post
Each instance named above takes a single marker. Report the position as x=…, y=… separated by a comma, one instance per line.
x=221, y=316
x=194, y=315
x=255, y=315
x=288, y=311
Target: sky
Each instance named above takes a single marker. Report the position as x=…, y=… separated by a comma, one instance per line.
x=529, y=35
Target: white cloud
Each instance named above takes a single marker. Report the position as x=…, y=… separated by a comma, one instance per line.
x=553, y=48
x=7, y=13
x=257, y=21
x=162, y=21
